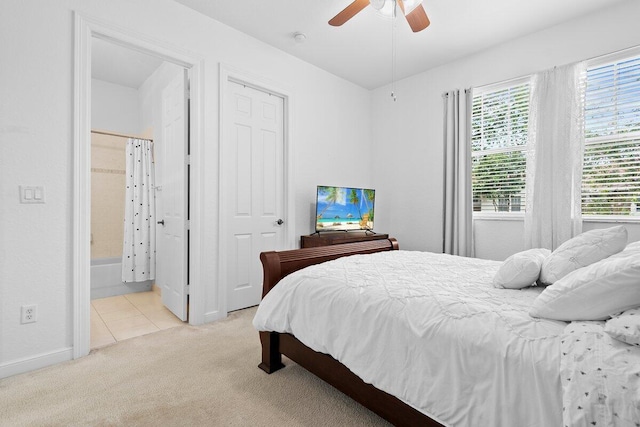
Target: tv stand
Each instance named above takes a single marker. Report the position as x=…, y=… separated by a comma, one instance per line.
x=327, y=238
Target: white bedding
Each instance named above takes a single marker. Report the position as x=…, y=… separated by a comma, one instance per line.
x=600, y=378
x=430, y=329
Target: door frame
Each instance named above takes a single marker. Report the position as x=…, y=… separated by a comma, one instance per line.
x=229, y=73
x=87, y=28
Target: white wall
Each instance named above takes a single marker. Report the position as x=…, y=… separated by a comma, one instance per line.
x=114, y=108
x=408, y=133
x=330, y=116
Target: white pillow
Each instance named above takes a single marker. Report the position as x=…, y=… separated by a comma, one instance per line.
x=632, y=249
x=625, y=327
x=633, y=246
x=521, y=269
x=582, y=250
x=594, y=292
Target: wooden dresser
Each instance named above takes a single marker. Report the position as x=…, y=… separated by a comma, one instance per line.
x=338, y=237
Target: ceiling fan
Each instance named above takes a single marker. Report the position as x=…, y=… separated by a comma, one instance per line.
x=411, y=9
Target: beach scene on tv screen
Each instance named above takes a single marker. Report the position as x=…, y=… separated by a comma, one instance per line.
x=343, y=208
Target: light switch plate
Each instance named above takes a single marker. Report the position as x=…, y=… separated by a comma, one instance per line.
x=31, y=194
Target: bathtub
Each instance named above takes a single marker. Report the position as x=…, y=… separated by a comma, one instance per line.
x=106, y=279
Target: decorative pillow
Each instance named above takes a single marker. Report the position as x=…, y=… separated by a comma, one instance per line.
x=521, y=269
x=633, y=246
x=625, y=327
x=582, y=250
x=594, y=292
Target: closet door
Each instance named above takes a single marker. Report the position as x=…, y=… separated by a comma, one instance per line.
x=253, y=190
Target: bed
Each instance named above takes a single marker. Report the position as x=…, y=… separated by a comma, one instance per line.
x=456, y=351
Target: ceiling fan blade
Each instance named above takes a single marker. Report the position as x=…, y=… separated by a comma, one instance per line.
x=348, y=12
x=418, y=19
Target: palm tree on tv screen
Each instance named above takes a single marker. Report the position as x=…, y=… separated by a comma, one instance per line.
x=331, y=197
x=369, y=195
x=355, y=200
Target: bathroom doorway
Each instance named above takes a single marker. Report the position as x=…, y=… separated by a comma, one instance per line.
x=135, y=101
x=85, y=30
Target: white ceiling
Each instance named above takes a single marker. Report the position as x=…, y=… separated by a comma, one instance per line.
x=116, y=64
x=360, y=50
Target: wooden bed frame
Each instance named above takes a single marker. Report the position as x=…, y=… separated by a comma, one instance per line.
x=277, y=265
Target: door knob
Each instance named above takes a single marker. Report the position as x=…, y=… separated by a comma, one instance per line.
x=161, y=222
x=280, y=222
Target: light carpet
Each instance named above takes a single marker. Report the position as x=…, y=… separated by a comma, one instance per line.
x=184, y=376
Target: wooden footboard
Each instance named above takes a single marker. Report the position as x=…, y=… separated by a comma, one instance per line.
x=277, y=265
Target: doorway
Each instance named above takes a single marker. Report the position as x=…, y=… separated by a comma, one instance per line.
x=85, y=32
x=139, y=149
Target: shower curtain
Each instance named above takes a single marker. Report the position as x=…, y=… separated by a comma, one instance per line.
x=139, y=250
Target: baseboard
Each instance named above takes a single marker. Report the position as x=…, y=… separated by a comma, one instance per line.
x=98, y=292
x=212, y=316
x=29, y=364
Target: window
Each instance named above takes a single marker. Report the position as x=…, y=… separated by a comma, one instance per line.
x=611, y=166
x=499, y=122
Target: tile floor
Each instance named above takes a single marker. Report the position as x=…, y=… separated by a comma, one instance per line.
x=126, y=316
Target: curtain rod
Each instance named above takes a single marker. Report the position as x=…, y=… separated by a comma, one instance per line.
x=103, y=132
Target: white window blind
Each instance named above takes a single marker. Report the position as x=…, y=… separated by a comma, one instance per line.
x=499, y=125
x=611, y=167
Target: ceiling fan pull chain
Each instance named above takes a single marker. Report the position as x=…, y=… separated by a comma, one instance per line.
x=393, y=52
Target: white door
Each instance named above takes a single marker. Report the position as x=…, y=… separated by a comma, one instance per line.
x=253, y=170
x=172, y=262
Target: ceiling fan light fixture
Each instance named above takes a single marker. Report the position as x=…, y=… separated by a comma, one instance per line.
x=412, y=9
x=386, y=8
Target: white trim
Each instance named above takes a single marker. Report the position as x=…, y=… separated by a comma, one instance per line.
x=618, y=219
x=197, y=297
x=500, y=150
x=498, y=216
x=81, y=189
x=624, y=137
x=35, y=362
x=212, y=316
x=519, y=216
x=230, y=73
x=85, y=29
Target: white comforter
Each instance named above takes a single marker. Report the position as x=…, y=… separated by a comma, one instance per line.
x=600, y=378
x=431, y=330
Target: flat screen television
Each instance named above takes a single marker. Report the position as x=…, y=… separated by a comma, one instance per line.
x=344, y=208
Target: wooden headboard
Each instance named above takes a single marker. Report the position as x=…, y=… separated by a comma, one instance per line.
x=277, y=265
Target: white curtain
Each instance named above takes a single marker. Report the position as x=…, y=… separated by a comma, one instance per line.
x=458, y=199
x=554, y=162
x=139, y=251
